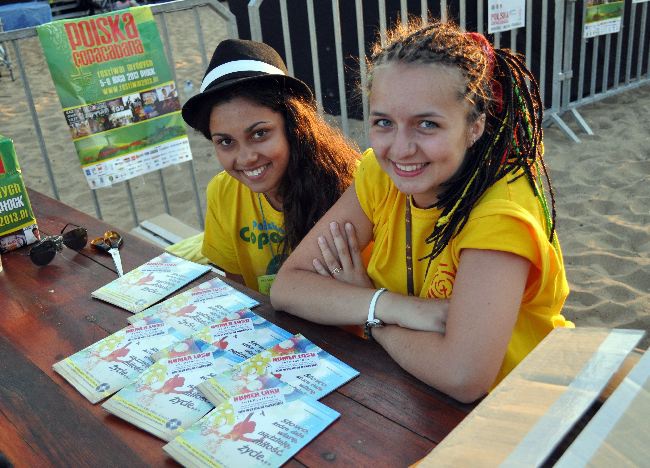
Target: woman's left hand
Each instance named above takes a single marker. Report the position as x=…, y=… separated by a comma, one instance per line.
x=345, y=264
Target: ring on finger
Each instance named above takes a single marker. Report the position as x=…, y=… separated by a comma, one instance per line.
x=336, y=270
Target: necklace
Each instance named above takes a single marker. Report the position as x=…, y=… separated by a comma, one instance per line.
x=409, y=251
x=265, y=224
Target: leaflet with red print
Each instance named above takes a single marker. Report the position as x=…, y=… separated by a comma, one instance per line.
x=261, y=428
x=149, y=283
x=241, y=332
x=164, y=400
x=295, y=361
x=108, y=365
x=104, y=367
x=201, y=306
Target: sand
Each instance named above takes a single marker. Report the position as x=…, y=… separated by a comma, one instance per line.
x=602, y=184
x=603, y=211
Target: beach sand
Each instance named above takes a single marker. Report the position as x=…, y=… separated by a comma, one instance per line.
x=603, y=212
x=602, y=184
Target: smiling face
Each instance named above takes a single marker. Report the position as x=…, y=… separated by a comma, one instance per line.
x=251, y=145
x=419, y=126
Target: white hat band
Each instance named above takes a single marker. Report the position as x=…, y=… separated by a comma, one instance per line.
x=238, y=66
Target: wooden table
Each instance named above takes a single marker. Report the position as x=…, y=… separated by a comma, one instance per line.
x=388, y=418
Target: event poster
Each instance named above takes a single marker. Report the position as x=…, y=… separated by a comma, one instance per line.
x=603, y=17
x=117, y=93
x=504, y=15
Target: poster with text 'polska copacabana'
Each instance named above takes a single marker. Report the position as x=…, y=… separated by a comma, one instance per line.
x=118, y=96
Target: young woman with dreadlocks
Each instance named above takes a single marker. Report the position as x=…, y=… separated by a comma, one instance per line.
x=466, y=274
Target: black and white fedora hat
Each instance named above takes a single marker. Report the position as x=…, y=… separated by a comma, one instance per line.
x=235, y=61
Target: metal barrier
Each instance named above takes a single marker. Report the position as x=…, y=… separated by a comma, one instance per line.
x=549, y=39
x=208, y=22
x=350, y=39
x=338, y=35
x=629, y=48
x=5, y=60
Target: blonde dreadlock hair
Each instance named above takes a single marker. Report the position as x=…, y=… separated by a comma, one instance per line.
x=495, y=85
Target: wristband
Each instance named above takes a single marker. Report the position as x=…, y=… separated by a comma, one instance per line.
x=373, y=322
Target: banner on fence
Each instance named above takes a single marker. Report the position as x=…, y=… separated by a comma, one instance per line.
x=504, y=15
x=602, y=17
x=117, y=93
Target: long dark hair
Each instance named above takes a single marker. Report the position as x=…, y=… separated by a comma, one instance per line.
x=497, y=84
x=322, y=161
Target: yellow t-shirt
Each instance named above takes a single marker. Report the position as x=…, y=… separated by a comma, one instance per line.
x=507, y=218
x=243, y=232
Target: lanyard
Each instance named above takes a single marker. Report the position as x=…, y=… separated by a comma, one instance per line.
x=409, y=251
x=266, y=226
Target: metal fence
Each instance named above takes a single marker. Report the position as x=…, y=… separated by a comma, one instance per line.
x=321, y=42
x=51, y=166
x=599, y=67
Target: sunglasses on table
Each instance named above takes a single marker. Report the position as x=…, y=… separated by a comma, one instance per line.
x=44, y=251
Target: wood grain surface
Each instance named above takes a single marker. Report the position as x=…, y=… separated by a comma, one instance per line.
x=388, y=418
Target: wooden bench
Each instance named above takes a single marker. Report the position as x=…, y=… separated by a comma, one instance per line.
x=164, y=230
x=536, y=408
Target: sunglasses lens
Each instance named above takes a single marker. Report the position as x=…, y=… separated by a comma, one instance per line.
x=43, y=252
x=76, y=239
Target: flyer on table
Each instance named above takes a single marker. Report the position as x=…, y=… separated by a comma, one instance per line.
x=118, y=96
x=106, y=366
x=242, y=333
x=150, y=282
x=295, y=361
x=164, y=399
x=203, y=304
x=266, y=428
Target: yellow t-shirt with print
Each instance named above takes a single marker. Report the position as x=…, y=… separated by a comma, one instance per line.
x=507, y=218
x=243, y=232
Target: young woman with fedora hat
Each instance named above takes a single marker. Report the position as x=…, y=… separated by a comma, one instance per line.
x=284, y=167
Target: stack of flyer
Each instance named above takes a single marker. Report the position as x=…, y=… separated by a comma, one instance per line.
x=242, y=332
x=149, y=283
x=106, y=366
x=165, y=400
x=202, y=371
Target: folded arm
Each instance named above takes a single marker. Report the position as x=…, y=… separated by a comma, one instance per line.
x=300, y=290
x=461, y=358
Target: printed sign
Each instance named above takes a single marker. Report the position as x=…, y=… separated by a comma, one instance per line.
x=117, y=93
x=17, y=222
x=602, y=17
x=504, y=15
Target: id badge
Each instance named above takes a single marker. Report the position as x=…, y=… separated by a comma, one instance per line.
x=264, y=283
